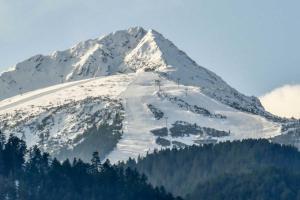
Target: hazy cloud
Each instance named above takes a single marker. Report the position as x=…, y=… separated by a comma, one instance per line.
x=283, y=101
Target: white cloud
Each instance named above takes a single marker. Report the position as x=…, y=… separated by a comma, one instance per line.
x=283, y=101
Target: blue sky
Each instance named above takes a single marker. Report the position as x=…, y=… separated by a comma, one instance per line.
x=254, y=45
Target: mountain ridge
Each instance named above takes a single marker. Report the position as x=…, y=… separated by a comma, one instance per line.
x=132, y=91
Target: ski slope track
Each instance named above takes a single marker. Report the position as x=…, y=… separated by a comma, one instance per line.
x=125, y=94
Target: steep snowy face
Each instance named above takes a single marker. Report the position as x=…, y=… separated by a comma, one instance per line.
x=97, y=57
x=156, y=53
x=147, y=55
x=105, y=56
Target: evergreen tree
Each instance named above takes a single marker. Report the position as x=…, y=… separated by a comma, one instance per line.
x=2, y=144
x=23, y=137
x=2, y=140
x=96, y=163
x=14, y=155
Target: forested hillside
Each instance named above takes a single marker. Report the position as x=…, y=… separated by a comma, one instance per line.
x=43, y=178
x=249, y=169
x=265, y=184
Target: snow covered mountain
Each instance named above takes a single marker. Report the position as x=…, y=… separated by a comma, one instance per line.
x=120, y=52
x=124, y=94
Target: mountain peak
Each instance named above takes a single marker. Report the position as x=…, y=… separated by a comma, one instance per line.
x=122, y=51
x=136, y=30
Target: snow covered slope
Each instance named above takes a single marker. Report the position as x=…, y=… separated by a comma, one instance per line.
x=59, y=118
x=124, y=94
